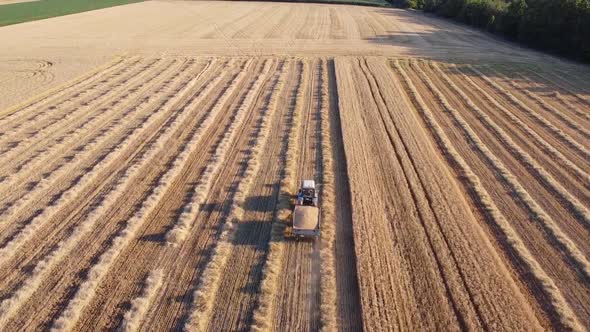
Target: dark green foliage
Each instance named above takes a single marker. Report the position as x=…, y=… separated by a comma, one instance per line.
x=561, y=26
x=36, y=10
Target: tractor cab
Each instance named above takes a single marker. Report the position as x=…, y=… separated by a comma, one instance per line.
x=307, y=194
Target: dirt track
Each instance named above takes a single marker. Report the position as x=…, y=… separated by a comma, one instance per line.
x=154, y=191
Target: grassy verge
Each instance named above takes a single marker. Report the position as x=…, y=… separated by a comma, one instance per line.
x=37, y=10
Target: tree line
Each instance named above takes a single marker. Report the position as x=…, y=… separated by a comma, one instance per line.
x=560, y=26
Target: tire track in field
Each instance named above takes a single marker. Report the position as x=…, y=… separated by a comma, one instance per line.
x=348, y=304
x=264, y=313
x=87, y=225
x=96, y=91
x=397, y=273
x=54, y=95
x=89, y=146
x=565, y=243
x=465, y=308
x=564, y=313
x=299, y=288
x=542, y=121
x=140, y=251
x=79, y=120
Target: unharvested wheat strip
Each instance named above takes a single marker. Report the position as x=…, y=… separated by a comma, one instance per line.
x=139, y=306
x=69, y=317
x=328, y=287
x=206, y=291
x=569, y=107
x=42, y=116
x=135, y=105
x=566, y=244
x=566, y=316
x=190, y=211
x=14, y=113
x=265, y=309
x=80, y=117
x=10, y=306
x=547, y=179
x=565, y=137
x=548, y=148
x=24, y=235
x=113, y=118
x=563, y=117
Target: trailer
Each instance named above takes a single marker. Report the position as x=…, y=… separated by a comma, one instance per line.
x=306, y=221
x=306, y=215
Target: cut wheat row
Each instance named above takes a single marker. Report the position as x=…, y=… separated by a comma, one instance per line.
x=265, y=309
x=10, y=306
x=547, y=179
x=328, y=287
x=43, y=117
x=185, y=222
x=136, y=107
x=78, y=109
x=77, y=121
x=515, y=101
x=566, y=245
x=583, y=100
x=547, y=148
x=221, y=103
x=568, y=105
x=86, y=291
x=87, y=179
x=54, y=96
x=545, y=105
x=206, y=291
x=140, y=305
x=566, y=316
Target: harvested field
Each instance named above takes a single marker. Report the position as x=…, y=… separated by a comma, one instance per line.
x=151, y=187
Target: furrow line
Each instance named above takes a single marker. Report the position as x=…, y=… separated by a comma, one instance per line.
x=206, y=291
x=548, y=148
x=564, y=118
x=186, y=220
x=328, y=287
x=536, y=211
x=30, y=229
x=60, y=91
x=515, y=101
x=88, y=288
x=84, y=97
x=80, y=118
x=139, y=104
x=564, y=197
x=558, y=302
x=10, y=306
x=140, y=306
x=264, y=312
